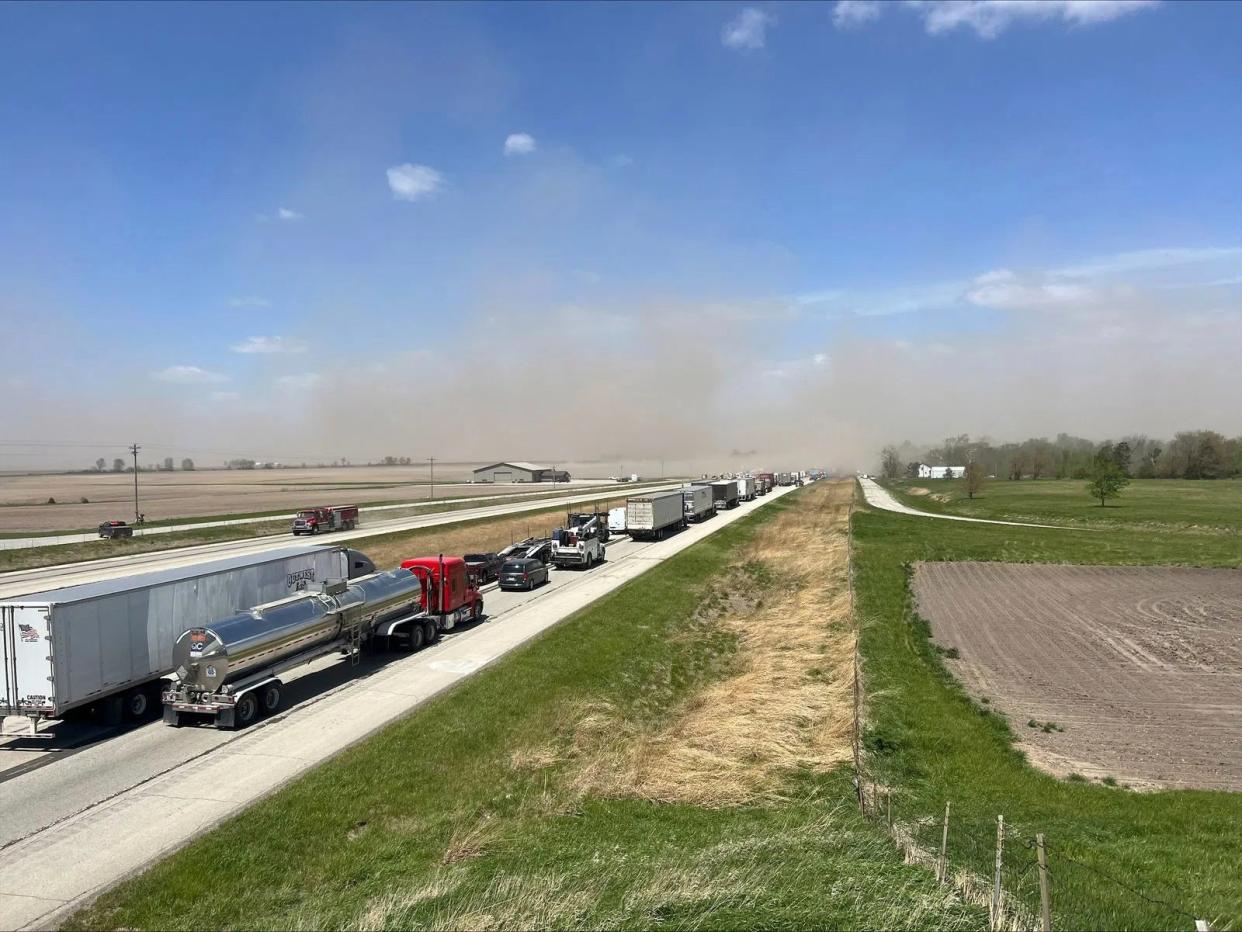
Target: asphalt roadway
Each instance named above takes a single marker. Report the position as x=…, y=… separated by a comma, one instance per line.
x=21, y=582
x=83, y=811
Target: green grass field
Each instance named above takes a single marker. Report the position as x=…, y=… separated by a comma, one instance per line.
x=432, y=824
x=930, y=742
x=1205, y=506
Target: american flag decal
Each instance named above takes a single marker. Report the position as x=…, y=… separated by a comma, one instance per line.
x=28, y=633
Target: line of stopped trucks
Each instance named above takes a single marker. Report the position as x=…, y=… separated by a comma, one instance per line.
x=121, y=648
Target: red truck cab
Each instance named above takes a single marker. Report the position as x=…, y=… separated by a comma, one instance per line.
x=326, y=518
x=448, y=595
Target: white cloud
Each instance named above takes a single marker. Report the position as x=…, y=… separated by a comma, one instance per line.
x=989, y=18
x=622, y=161
x=299, y=382
x=1147, y=259
x=225, y=396
x=1005, y=290
x=748, y=30
x=850, y=13
x=268, y=345
x=284, y=214
x=412, y=182
x=819, y=359
x=188, y=375
x=519, y=144
x=249, y=301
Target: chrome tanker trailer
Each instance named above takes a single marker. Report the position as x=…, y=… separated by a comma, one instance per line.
x=230, y=670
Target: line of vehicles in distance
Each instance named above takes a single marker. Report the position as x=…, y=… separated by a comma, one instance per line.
x=121, y=648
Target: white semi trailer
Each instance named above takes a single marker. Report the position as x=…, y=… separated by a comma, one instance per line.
x=653, y=514
x=109, y=644
x=697, y=502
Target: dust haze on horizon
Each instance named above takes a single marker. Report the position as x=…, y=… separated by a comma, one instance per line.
x=614, y=380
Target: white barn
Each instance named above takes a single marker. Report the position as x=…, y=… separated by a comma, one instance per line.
x=941, y=472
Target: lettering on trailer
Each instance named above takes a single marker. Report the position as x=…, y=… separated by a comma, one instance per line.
x=298, y=581
x=198, y=640
x=28, y=633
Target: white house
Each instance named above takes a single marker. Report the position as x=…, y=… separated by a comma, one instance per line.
x=941, y=472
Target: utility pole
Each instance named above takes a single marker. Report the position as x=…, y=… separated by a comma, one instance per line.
x=134, y=448
x=432, y=460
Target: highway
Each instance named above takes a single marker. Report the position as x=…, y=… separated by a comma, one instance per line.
x=511, y=491
x=94, y=808
x=21, y=582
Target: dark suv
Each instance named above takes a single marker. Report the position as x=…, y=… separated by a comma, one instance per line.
x=484, y=566
x=523, y=573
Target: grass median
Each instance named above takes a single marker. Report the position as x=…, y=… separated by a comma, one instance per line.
x=670, y=756
x=1120, y=859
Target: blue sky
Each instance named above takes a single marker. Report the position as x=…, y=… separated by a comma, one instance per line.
x=214, y=215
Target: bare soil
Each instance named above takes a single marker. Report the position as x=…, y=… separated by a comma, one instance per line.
x=1128, y=672
x=210, y=493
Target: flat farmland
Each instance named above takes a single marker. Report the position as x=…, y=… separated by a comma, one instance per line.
x=1128, y=672
x=218, y=492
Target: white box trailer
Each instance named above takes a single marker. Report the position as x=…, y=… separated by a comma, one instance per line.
x=697, y=502
x=745, y=488
x=651, y=515
x=112, y=641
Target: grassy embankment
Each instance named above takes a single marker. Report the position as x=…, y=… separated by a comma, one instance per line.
x=930, y=742
x=33, y=557
x=1205, y=506
x=671, y=755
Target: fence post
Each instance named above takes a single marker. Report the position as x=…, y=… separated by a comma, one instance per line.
x=996, y=880
x=942, y=866
x=1045, y=897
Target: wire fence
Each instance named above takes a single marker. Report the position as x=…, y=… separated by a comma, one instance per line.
x=1025, y=877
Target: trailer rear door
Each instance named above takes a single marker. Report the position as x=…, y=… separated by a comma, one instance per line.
x=25, y=660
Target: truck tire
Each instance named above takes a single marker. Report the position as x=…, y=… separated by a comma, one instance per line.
x=137, y=704
x=415, y=643
x=431, y=633
x=476, y=612
x=245, y=711
x=269, y=699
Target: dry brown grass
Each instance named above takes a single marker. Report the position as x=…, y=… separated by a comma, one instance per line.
x=474, y=537
x=789, y=704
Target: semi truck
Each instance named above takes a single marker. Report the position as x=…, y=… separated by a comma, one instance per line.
x=697, y=502
x=325, y=518
x=724, y=494
x=651, y=515
x=230, y=672
x=784, y=478
x=745, y=488
x=764, y=482
x=108, y=645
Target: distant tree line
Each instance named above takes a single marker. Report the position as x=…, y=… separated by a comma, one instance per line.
x=1192, y=454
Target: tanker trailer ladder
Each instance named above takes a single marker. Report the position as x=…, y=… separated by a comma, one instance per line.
x=353, y=643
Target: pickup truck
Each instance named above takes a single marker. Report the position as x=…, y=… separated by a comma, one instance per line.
x=113, y=530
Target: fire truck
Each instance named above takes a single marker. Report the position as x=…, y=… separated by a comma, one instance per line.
x=325, y=518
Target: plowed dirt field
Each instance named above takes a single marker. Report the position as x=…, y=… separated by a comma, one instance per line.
x=1129, y=672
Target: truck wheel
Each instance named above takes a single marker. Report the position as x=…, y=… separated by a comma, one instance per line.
x=270, y=698
x=477, y=612
x=246, y=711
x=431, y=633
x=416, y=638
x=137, y=705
